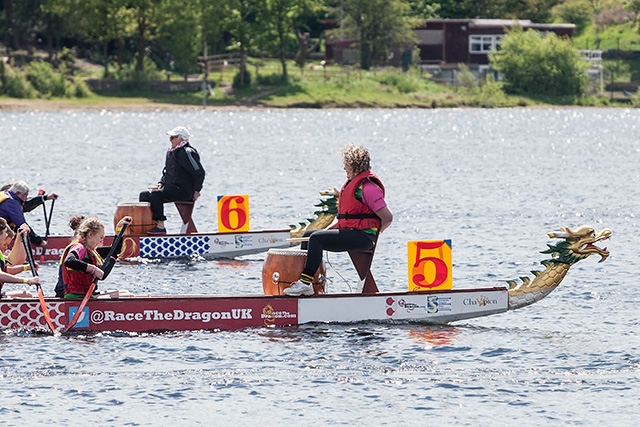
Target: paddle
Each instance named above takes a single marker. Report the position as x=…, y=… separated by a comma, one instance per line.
x=112, y=251
x=47, y=222
x=32, y=264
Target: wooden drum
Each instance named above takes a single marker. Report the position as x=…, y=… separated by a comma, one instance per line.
x=141, y=214
x=282, y=267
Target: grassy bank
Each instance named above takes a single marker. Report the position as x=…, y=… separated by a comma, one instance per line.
x=313, y=87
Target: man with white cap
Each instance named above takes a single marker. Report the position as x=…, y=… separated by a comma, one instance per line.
x=181, y=180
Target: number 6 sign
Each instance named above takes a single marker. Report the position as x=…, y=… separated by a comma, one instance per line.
x=233, y=213
x=429, y=265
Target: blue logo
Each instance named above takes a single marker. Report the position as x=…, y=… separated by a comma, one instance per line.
x=83, y=321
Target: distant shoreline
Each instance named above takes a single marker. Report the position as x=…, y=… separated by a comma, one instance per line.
x=11, y=104
x=142, y=104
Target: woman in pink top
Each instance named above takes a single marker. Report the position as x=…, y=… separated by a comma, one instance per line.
x=362, y=215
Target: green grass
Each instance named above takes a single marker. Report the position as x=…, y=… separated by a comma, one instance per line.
x=623, y=37
x=335, y=87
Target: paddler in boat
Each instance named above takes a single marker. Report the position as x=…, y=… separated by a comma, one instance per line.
x=74, y=223
x=182, y=178
x=362, y=215
x=81, y=259
x=14, y=203
x=7, y=262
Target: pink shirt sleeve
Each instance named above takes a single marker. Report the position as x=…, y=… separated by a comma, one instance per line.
x=372, y=196
x=79, y=249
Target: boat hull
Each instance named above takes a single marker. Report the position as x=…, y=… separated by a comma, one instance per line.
x=207, y=312
x=207, y=245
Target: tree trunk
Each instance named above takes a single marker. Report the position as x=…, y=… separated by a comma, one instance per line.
x=119, y=53
x=243, y=65
x=105, y=58
x=283, y=60
x=12, y=40
x=142, y=27
x=365, y=55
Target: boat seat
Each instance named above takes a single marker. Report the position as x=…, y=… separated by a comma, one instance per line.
x=362, y=262
x=185, y=209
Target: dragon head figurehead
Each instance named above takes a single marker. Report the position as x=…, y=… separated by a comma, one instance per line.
x=324, y=216
x=577, y=245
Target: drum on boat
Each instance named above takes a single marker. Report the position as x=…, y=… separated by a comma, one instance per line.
x=141, y=214
x=282, y=267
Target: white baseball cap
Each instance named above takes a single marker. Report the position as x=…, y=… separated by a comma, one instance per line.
x=179, y=131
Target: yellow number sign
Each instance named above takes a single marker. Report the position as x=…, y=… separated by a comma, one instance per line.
x=233, y=213
x=429, y=265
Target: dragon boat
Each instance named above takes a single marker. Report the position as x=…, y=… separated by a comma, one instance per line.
x=182, y=245
x=122, y=311
x=232, y=240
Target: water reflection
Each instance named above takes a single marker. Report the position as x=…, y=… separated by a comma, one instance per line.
x=434, y=335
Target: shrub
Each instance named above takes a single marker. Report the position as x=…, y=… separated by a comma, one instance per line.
x=81, y=88
x=17, y=86
x=60, y=86
x=273, y=79
x=41, y=75
x=402, y=82
x=466, y=79
x=540, y=65
x=247, y=79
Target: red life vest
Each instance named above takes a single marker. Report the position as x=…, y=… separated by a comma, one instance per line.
x=76, y=281
x=352, y=213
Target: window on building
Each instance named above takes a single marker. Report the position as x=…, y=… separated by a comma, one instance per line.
x=484, y=44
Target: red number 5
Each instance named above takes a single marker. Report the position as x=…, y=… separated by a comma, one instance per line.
x=430, y=256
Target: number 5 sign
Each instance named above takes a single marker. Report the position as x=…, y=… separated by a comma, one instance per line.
x=429, y=265
x=233, y=213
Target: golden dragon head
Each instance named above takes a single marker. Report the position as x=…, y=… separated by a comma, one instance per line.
x=577, y=245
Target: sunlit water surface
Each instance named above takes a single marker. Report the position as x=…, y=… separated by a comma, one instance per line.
x=493, y=181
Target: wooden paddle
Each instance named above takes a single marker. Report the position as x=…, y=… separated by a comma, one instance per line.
x=32, y=264
x=76, y=316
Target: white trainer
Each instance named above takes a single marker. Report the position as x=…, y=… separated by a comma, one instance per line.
x=298, y=289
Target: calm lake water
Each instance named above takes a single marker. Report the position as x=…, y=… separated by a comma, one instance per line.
x=493, y=181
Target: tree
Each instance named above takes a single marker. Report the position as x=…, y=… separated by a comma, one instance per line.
x=178, y=39
x=378, y=26
x=102, y=21
x=282, y=24
x=534, y=64
x=424, y=9
x=148, y=15
x=241, y=23
x=276, y=22
x=535, y=10
x=577, y=12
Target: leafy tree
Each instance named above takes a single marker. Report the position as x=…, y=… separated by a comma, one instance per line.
x=424, y=9
x=101, y=21
x=576, y=12
x=148, y=15
x=276, y=19
x=26, y=21
x=241, y=24
x=178, y=39
x=214, y=16
x=378, y=26
x=535, y=10
x=534, y=64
